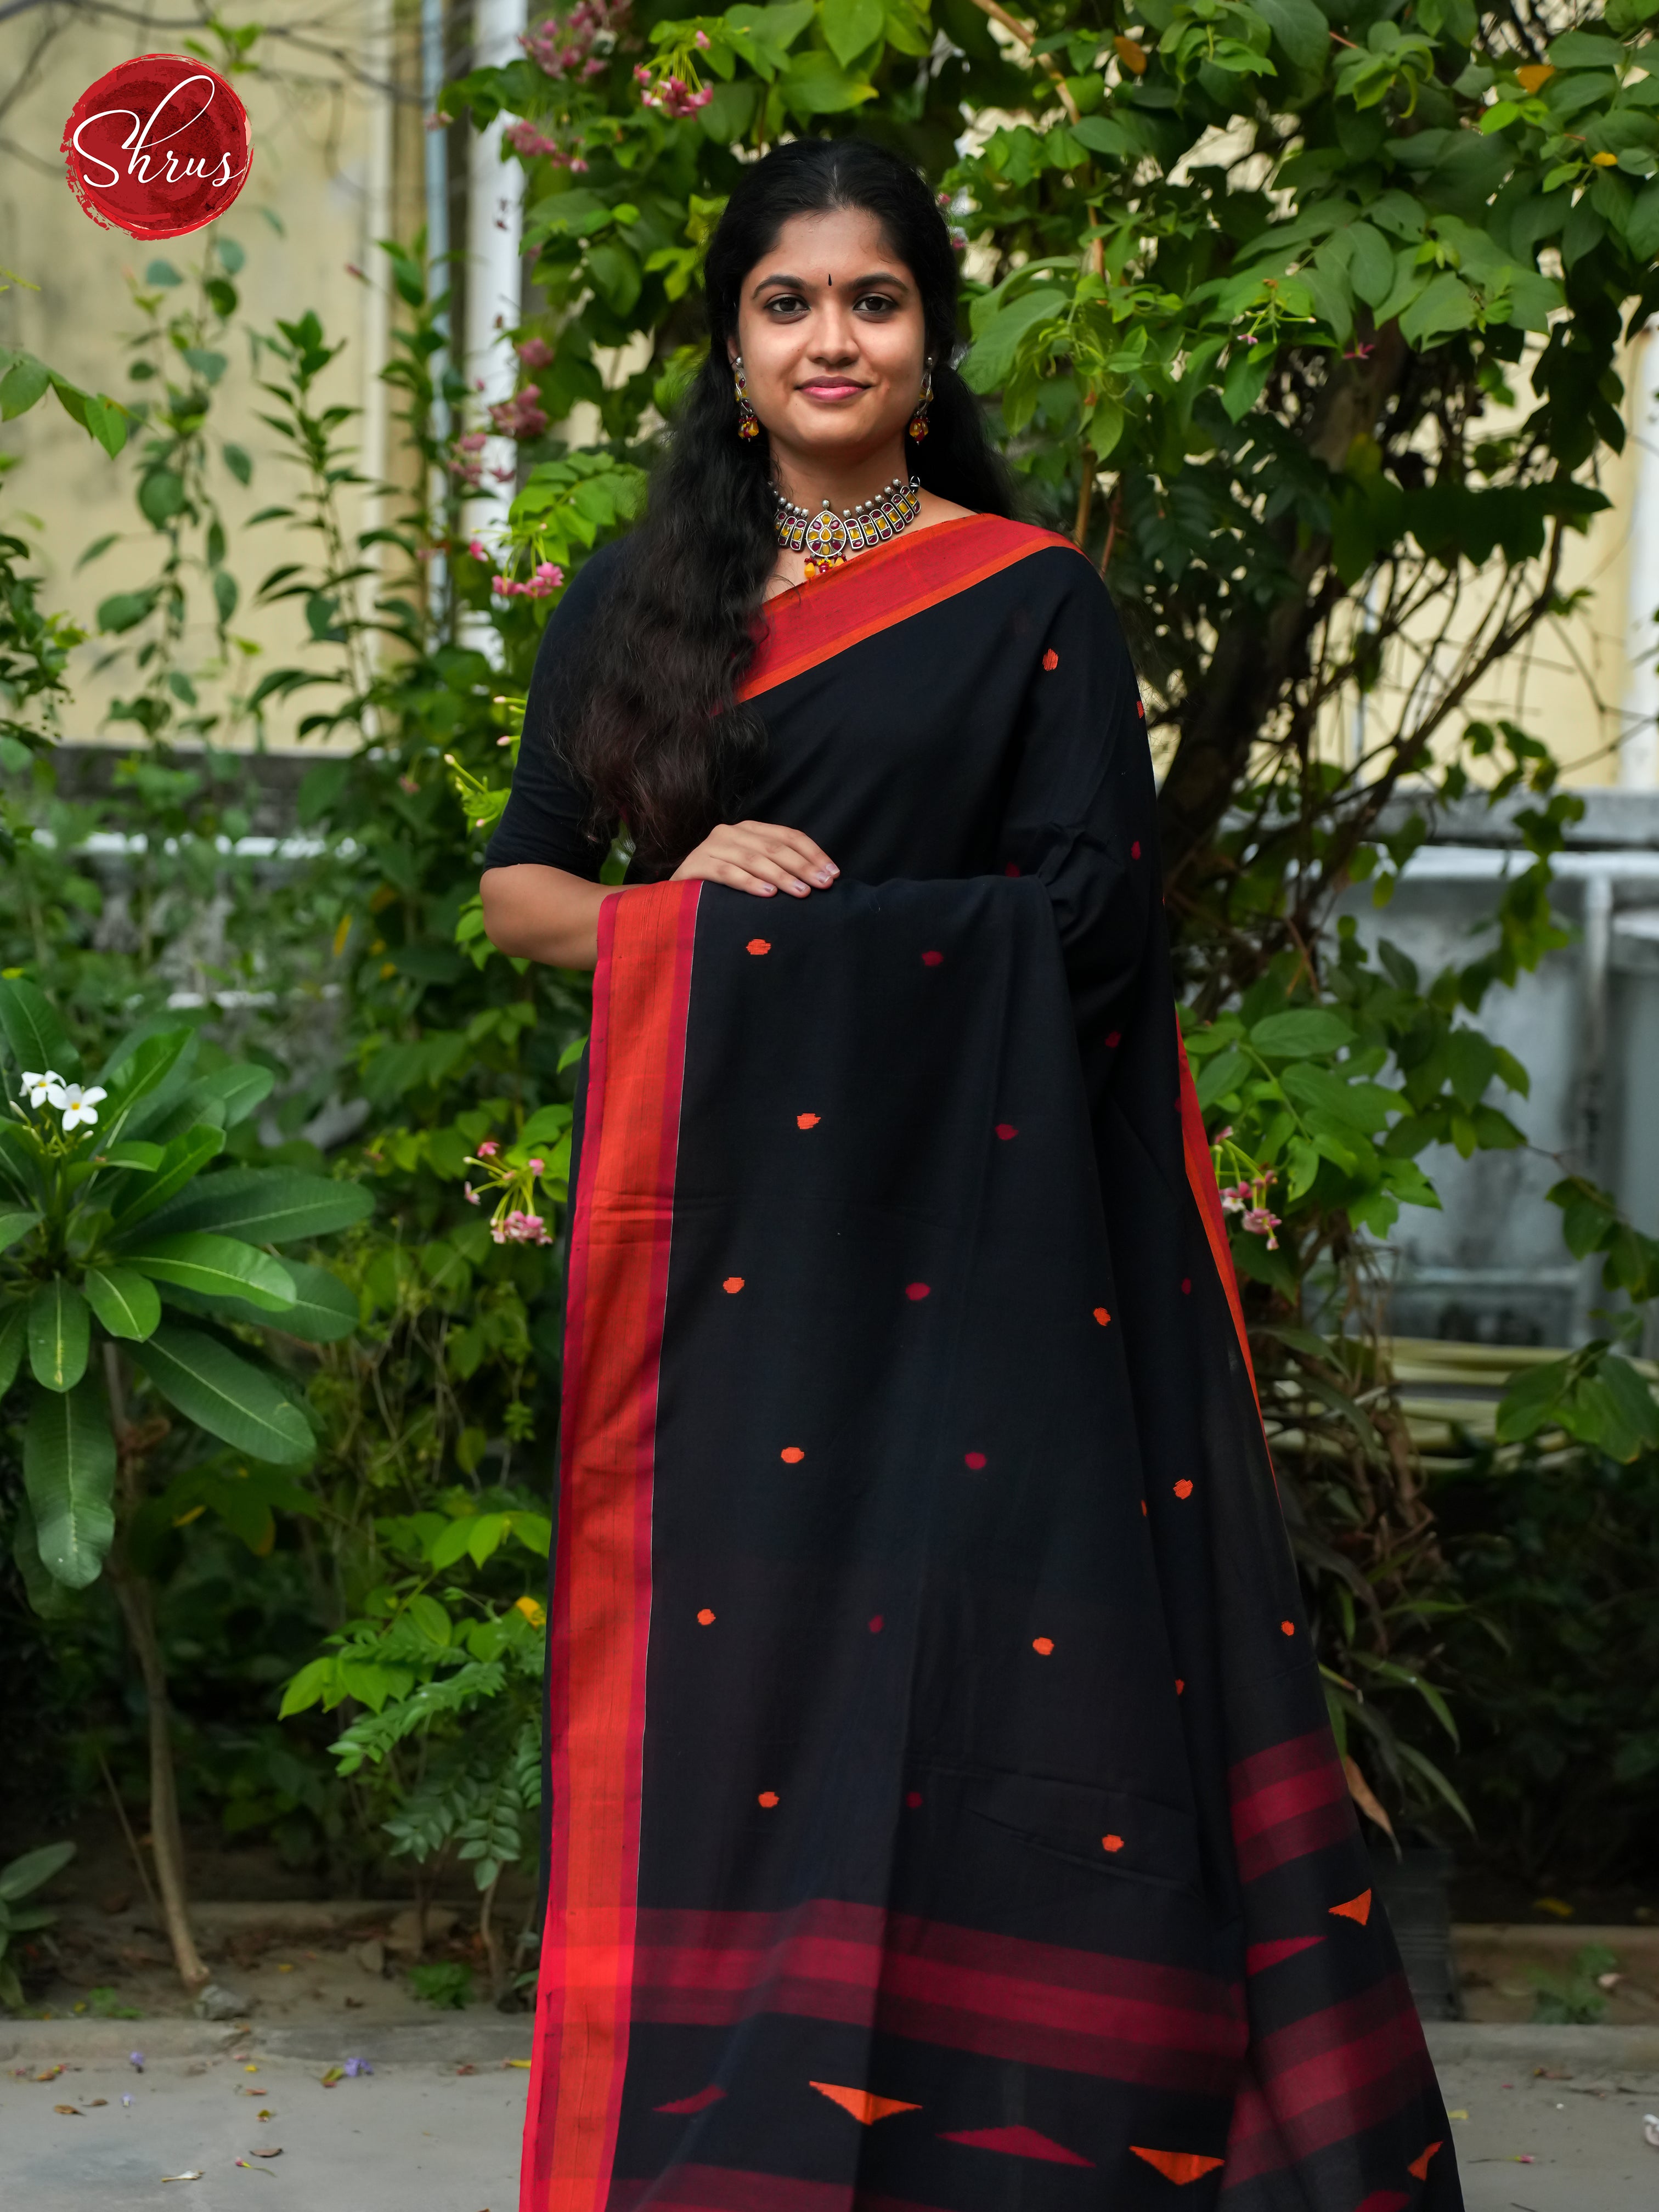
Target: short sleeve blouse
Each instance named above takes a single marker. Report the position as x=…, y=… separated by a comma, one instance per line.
x=545, y=820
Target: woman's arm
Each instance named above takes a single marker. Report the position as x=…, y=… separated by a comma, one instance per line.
x=537, y=912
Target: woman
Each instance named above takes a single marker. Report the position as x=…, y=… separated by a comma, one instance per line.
x=942, y=1812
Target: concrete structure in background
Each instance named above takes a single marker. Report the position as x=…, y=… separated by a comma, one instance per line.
x=494, y=267
x=1491, y=1267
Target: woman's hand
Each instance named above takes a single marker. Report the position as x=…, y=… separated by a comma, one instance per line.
x=760, y=858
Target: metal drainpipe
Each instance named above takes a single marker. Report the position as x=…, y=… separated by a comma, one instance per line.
x=1638, y=745
x=1592, y=1081
x=494, y=231
x=440, y=275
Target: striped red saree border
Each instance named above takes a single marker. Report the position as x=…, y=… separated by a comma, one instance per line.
x=624, y=1217
x=839, y=607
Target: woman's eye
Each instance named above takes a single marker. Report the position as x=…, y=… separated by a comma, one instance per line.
x=782, y=304
x=875, y=303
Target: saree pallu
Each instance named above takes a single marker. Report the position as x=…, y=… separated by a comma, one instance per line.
x=943, y=1816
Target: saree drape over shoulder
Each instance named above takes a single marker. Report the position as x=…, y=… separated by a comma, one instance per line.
x=943, y=1816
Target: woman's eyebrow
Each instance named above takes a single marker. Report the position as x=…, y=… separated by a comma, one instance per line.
x=804, y=284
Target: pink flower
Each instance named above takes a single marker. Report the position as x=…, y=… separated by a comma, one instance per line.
x=521, y=416
x=536, y=1167
x=479, y=550
x=1260, y=1223
x=518, y=1227
x=577, y=41
x=487, y=1149
x=534, y=353
x=703, y=41
x=524, y=138
x=471, y=1194
x=546, y=580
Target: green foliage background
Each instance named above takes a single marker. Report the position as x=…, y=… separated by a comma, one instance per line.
x=1297, y=316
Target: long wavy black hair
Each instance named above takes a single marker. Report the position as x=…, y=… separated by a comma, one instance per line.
x=650, y=724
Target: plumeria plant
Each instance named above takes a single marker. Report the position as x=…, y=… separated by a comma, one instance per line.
x=134, y=1278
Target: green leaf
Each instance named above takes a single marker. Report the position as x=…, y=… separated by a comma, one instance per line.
x=14, y=1336
x=269, y=1206
x=1533, y=1399
x=160, y=496
x=214, y=1268
x=1303, y=1033
x=134, y=1154
x=306, y=1687
x=324, y=1311
x=225, y=1394
x=489, y=1533
x=451, y=1542
x=1642, y=231
x=33, y=1870
x=69, y=1471
x=1220, y=1075
x=15, y=1226
x=182, y=1161
x=1371, y=264
x=850, y=25
x=126, y=1304
x=20, y=1159
x=1300, y=27
x=124, y=610
x=1471, y=1064
x=813, y=84
x=22, y=386
x=33, y=1030
x=146, y=1078
x=1446, y=305
x=60, y=1329
x=997, y=345
x=429, y=1617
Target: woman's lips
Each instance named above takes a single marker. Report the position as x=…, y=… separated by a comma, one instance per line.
x=834, y=387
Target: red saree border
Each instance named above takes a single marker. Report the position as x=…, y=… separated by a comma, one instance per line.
x=602, y=1587
x=1200, y=1177
x=839, y=607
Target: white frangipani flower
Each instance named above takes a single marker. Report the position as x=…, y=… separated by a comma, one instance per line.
x=78, y=1105
x=40, y=1087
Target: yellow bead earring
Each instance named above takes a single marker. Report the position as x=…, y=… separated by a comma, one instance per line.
x=748, y=420
x=916, y=428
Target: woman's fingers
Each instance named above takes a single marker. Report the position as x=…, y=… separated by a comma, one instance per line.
x=793, y=846
x=760, y=858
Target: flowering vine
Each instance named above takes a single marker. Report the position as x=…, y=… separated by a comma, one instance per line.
x=1247, y=1194
x=515, y=1219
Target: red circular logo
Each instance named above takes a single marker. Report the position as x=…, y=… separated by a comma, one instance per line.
x=158, y=147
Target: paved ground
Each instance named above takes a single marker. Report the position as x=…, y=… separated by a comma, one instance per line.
x=1538, y=2142
x=418, y=2136
x=412, y=2137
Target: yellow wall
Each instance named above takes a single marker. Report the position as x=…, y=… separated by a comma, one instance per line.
x=321, y=166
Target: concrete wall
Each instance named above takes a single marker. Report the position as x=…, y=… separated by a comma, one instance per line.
x=1490, y=1266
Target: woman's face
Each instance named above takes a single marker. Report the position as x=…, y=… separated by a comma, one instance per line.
x=831, y=330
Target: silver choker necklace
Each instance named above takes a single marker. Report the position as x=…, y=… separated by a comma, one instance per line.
x=827, y=538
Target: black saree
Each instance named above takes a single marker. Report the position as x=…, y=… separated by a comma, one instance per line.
x=943, y=1815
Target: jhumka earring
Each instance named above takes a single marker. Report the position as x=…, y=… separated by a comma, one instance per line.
x=748, y=421
x=916, y=428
